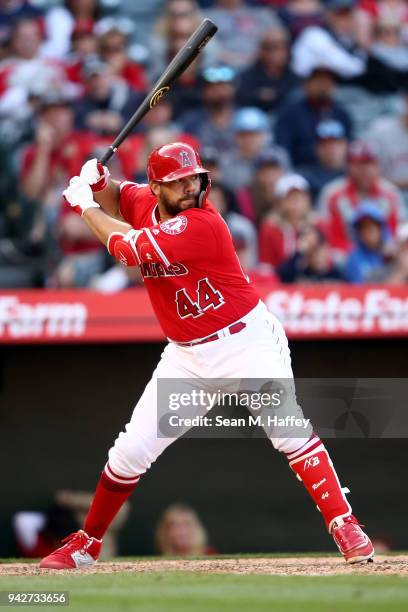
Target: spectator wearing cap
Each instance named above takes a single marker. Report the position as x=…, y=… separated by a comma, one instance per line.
x=390, y=136
x=312, y=261
x=279, y=231
x=112, y=43
x=269, y=80
x=367, y=261
x=109, y=101
x=252, y=135
x=398, y=272
x=335, y=43
x=331, y=152
x=240, y=28
x=259, y=198
x=341, y=198
x=211, y=124
x=296, y=124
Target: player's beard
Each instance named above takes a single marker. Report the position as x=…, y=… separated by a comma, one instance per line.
x=173, y=208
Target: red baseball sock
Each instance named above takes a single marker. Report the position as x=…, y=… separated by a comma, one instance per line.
x=313, y=466
x=111, y=493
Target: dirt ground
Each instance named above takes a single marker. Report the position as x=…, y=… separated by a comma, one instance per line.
x=284, y=566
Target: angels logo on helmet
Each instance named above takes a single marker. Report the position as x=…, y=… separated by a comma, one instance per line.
x=174, y=226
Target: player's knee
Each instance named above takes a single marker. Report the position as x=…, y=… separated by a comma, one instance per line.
x=130, y=457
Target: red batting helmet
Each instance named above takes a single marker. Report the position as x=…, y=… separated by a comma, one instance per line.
x=177, y=160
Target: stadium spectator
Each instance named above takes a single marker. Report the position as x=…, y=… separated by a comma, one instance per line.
x=387, y=64
x=370, y=12
x=56, y=153
x=21, y=72
x=259, y=197
x=390, y=135
x=295, y=128
x=300, y=14
x=252, y=135
x=340, y=198
x=112, y=40
x=180, y=533
x=312, y=261
x=84, y=44
x=331, y=152
x=242, y=230
x=367, y=261
x=12, y=11
x=398, y=273
x=268, y=82
x=240, y=29
x=388, y=46
x=212, y=123
x=109, y=101
x=335, y=44
x=62, y=21
x=279, y=231
x=178, y=21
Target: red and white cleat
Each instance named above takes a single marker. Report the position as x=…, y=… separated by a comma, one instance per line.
x=352, y=542
x=79, y=551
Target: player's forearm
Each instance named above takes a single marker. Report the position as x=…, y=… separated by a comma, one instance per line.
x=102, y=224
x=108, y=198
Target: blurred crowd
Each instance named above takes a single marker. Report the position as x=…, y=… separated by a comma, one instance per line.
x=299, y=109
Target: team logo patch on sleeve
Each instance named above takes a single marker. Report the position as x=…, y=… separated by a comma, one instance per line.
x=174, y=226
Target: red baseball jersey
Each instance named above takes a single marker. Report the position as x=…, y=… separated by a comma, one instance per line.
x=189, y=266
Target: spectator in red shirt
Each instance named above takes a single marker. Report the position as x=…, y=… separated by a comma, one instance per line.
x=25, y=68
x=84, y=44
x=279, y=232
x=340, y=198
x=113, y=51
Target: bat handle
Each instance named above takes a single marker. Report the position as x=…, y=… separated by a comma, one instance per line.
x=107, y=155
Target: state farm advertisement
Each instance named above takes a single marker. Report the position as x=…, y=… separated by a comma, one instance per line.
x=309, y=312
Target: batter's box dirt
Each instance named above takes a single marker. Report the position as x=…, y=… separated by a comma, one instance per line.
x=283, y=566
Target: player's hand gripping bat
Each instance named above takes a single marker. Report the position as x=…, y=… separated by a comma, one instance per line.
x=177, y=66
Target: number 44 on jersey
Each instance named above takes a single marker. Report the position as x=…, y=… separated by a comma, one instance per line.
x=207, y=297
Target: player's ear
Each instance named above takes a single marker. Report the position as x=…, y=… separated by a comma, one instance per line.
x=155, y=188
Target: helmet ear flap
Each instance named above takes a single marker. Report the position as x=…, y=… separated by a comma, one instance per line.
x=205, y=189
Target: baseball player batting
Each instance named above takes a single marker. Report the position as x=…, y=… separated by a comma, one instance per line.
x=217, y=328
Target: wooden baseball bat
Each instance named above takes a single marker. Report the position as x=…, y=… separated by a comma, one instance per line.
x=179, y=63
